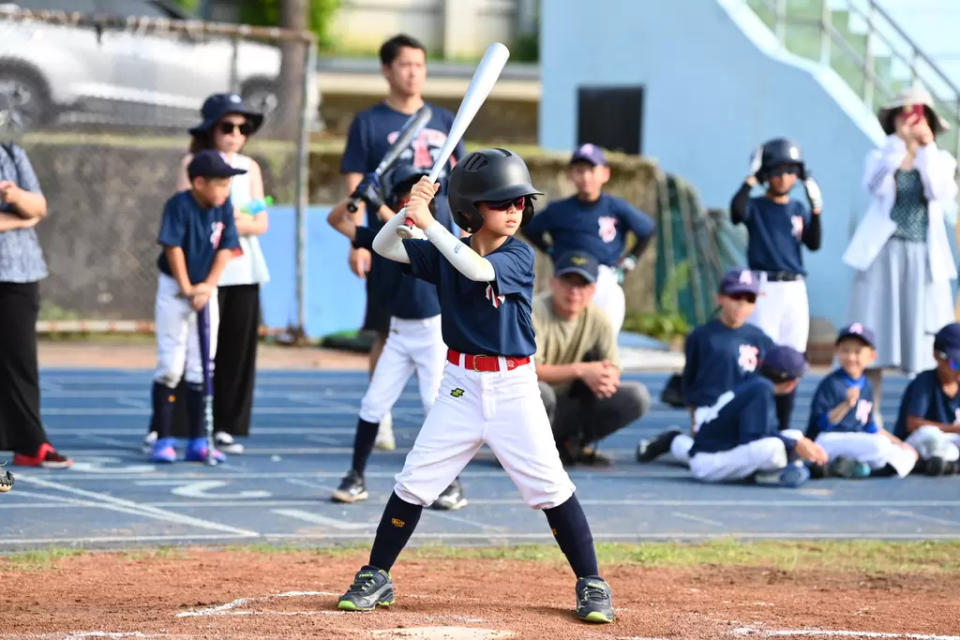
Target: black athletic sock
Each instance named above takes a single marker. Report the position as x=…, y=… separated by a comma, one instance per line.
x=569, y=526
x=164, y=401
x=363, y=443
x=396, y=526
x=785, y=408
x=195, y=409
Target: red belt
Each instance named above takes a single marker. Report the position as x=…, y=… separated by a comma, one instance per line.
x=484, y=363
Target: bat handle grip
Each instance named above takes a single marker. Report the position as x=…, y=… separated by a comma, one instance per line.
x=406, y=231
x=352, y=205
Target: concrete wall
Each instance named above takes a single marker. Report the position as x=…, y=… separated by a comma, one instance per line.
x=716, y=84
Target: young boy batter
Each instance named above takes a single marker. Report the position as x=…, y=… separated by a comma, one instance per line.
x=489, y=392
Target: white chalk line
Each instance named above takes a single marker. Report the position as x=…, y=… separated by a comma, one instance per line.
x=239, y=602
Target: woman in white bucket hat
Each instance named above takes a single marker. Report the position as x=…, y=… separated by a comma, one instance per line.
x=900, y=250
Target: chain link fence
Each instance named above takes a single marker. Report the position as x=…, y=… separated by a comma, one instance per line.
x=102, y=104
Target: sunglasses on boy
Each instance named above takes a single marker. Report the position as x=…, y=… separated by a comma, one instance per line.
x=227, y=128
x=748, y=297
x=503, y=205
x=954, y=365
x=784, y=170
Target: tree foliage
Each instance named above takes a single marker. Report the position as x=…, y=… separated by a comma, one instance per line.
x=267, y=13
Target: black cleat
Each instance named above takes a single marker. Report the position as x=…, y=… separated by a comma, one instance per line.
x=935, y=466
x=594, y=603
x=371, y=588
x=351, y=489
x=6, y=479
x=649, y=450
x=452, y=498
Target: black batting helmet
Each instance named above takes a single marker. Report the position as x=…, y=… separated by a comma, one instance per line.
x=778, y=152
x=490, y=175
x=398, y=181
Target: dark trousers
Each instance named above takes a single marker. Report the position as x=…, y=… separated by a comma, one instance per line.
x=20, y=426
x=236, y=360
x=578, y=417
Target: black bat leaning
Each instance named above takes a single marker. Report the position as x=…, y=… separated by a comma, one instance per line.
x=203, y=330
x=410, y=129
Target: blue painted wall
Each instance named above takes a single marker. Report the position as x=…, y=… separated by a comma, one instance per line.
x=335, y=297
x=716, y=84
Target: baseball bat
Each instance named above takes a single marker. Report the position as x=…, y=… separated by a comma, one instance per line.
x=484, y=77
x=203, y=330
x=410, y=129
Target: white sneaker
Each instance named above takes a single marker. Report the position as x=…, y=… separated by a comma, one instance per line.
x=148, y=441
x=385, y=440
x=225, y=442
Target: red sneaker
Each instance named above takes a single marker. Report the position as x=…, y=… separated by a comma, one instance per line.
x=46, y=457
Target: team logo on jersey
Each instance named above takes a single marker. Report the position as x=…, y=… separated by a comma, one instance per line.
x=216, y=233
x=457, y=393
x=608, y=228
x=424, y=149
x=797, y=223
x=494, y=299
x=864, y=407
x=749, y=356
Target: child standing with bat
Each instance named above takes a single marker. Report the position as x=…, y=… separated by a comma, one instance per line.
x=198, y=235
x=489, y=392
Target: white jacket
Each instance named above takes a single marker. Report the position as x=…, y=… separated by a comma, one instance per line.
x=937, y=171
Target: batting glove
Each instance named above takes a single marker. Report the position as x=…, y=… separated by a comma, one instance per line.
x=627, y=263
x=756, y=161
x=814, y=196
x=369, y=191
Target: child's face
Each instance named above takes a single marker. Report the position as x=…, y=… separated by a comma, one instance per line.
x=502, y=218
x=211, y=192
x=945, y=371
x=736, y=308
x=571, y=294
x=228, y=134
x=588, y=178
x=854, y=356
x=782, y=179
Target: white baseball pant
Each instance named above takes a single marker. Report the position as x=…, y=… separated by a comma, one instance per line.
x=413, y=346
x=930, y=441
x=501, y=409
x=178, y=345
x=874, y=449
x=680, y=447
x=765, y=454
x=783, y=312
x=609, y=297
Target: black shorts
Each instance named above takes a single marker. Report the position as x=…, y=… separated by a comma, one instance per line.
x=381, y=285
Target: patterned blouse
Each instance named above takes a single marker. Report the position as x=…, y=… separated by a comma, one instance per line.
x=910, y=208
x=21, y=259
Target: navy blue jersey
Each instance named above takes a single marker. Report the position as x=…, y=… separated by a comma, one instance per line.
x=831, y=391
x=924, y=398
x=199, y=232
x=599, y=227
x=746, y=413
x=373, y=131
x=718, y=358
x=411, y=298
x=775, y=234
x=482, y=318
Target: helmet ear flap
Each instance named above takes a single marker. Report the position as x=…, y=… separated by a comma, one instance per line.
x=527, y=212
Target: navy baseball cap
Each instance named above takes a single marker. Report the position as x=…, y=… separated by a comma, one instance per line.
x=947, y=342
x=783, y=363
x=211, y=164
x=739, y=281
x=579, y=262
x=219, y=105
x=589, y=153
x=857, y=330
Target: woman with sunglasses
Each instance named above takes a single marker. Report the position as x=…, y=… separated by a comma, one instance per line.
x=900, y=250
x=778, y=226
x=227, y=125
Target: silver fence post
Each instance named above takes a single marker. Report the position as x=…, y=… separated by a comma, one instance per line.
x=234, y=64
x=780, y=21
x=868, y=61
x=826, y=28
x=303, y=186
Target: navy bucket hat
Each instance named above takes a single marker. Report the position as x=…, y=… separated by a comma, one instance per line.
x=219, y=105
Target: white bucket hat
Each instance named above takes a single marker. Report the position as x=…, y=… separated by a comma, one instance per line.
x=907, y=97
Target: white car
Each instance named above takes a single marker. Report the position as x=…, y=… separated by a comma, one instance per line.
x=54, y=72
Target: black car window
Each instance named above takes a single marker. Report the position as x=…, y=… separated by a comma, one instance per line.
x=140, y=8
x=83, y=6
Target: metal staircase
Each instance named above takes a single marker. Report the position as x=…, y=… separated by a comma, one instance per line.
x=867, y=48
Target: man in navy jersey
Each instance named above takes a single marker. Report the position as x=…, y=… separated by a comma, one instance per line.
x=929, y=417
x=597, y=223
x=720, y=354
x=777, y=226
x=372, y=132
x=740, y=439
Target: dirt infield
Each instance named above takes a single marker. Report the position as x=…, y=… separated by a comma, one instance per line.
x=250, y=594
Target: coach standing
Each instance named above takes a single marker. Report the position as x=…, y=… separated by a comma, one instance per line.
x=403, y=64
x=22, y=206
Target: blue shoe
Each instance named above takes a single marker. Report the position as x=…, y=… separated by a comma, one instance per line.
x=197, y=451
x=792, y=476
x=163, y=451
